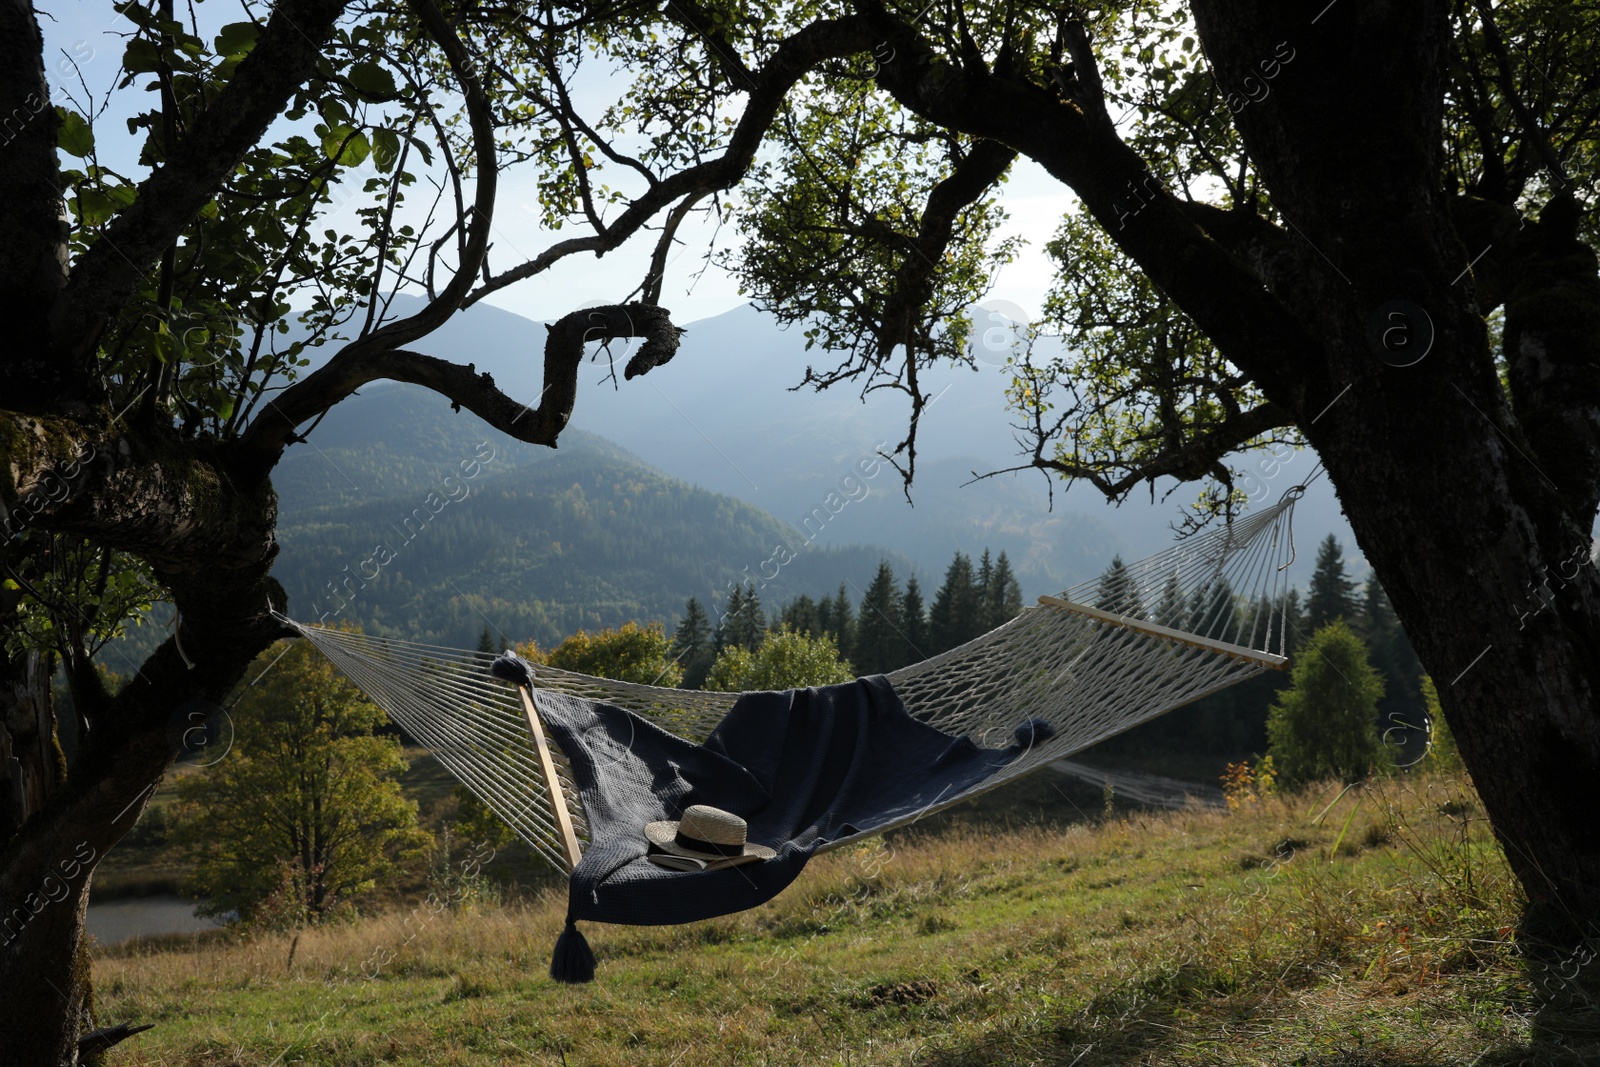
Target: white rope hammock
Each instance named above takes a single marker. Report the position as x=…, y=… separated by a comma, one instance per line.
x=1099, y=659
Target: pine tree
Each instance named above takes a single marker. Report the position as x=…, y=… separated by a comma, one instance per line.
x=747, y=627
x=1403, y=709
x=801, y=616
x=1002, y=595
x=1213, y=612
x=825, y=623
x=880, y=639
x=486, y=641
x=1295, y=631
x=983, y=582
x=1117, y=592
x=954, y=619
x=1332, y=592
x=844, y=625
x=1171, y=612
x=1325, y=724
x=730, y=619
x=693, y=644
x=915, y=622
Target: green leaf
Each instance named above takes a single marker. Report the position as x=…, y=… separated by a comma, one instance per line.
x=92, y=206
x=372, y=81
x=346, y=144
x=237, y=38
x=141, y=57
x=333, y=110
x=356, y=150
x=75, y=137
x=163, y=344
x=385, y=148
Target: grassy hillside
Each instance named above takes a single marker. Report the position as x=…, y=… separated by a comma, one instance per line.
x=1376, y=931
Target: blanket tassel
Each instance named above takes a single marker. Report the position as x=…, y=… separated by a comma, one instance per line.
x=573, y=960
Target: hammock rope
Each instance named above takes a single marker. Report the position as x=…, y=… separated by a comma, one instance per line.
x=1100, y=658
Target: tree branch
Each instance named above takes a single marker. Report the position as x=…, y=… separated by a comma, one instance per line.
x=464, y=387
x=355, y=362
x=285, y=55
x=478, y=218
x=140, y=493
x=797, y=55
x=1246, y=322
x=1532, y=132
x=1198, y=457
x=33, y=224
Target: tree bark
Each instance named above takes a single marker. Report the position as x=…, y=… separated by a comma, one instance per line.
x=1459, y=505
x=42, y=913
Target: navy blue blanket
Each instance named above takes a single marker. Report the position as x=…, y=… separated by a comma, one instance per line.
x=803, y=768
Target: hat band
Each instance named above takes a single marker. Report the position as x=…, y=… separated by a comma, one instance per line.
x=696, y=844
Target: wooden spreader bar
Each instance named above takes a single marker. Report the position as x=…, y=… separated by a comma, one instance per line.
x=1144, y=626
x=552, y=784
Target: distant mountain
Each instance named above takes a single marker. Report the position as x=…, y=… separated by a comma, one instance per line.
x=538, y=542
x=721, y=415
x=422, y=523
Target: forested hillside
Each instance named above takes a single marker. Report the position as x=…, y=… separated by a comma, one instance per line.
x=414, y=521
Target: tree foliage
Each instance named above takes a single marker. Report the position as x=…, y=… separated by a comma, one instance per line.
x=880, y=643
x=1332, y=594
x=1442, y=751
x=783, y=660
x=1325, y=724
x=304, y=814
x=627, y=653
x=694, y=644
x=956, y=615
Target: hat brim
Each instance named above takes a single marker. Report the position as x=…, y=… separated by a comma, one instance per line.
x=664, y=835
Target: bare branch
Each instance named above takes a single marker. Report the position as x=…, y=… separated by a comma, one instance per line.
x=1199, y=456
x=538, y=423
x=476, y=222
x=798, y=54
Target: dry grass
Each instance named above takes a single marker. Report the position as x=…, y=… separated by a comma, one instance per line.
x=1377, y=933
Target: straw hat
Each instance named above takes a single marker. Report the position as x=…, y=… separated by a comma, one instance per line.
x=707, y=833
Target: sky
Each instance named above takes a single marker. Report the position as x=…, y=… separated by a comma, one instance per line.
x=83, y=47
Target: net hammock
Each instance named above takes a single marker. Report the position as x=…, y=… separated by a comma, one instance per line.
x=1100, y=658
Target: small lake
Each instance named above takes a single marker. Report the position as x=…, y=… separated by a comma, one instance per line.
x=119, y=920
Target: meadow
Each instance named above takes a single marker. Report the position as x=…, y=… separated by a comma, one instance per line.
x=1332, y=928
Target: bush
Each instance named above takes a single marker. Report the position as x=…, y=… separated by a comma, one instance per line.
x=784, y=660
x=629, y=653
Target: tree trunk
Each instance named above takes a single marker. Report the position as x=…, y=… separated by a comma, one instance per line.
x=43, y=967
x=1462, y=539
x=1461, y=511
x=60, y=821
